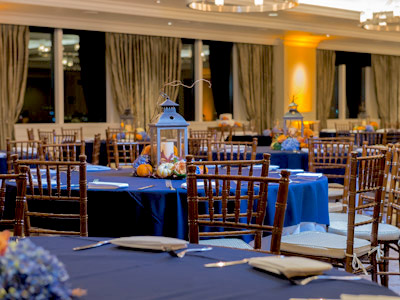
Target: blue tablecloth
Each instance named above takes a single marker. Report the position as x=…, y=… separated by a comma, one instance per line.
x=161, y=211
x=111, y=272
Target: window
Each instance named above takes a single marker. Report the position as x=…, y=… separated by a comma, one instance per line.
x=185, y=97
x=39, y=95
x=334, y=110
x=355, y=64
x=84, y=76
x=217, y=67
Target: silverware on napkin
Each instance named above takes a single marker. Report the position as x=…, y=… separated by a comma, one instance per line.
x=98, y=244
x=221, y=264
x=146, y=187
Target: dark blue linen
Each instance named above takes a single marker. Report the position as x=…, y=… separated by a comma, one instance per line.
x=111, y=272
x=160, y=211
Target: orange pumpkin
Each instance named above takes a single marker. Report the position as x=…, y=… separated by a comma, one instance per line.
x=144, y=170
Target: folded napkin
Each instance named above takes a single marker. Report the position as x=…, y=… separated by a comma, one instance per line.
x=290, y=266
x=3, y=155
x=294, y=170
x=96, y=168
x=160, y=243
x=309, y=174
x=367, y=297
x=103, y=185
x=273, y=167
x=200, y=185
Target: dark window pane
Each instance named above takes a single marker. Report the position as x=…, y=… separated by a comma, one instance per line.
x=186, y=96
x=334, y=110
x=39, y=95
x=217, y=67
x=84, y=76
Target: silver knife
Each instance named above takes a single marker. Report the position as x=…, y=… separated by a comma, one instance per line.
x=221, y=264
x=98, y=244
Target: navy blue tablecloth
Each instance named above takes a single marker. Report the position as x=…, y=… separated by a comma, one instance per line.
x=111, y=272
x=161, y=211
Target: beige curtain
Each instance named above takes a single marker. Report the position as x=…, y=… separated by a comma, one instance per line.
x=14, y=57
x=325, y=84
x=140, y=66
x=386, y=71
x=256, y=83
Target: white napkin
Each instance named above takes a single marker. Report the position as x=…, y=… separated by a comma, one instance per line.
x=367, y=297
x=44, y=182
x=3, y=155
x=103, y=185
x=290, y=266
x=309, y=174
x=295, y=170
x=96, y=168
x=200, y=185
x=161, y=243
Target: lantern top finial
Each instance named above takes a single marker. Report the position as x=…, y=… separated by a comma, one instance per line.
x=169, y=118
x=293, y=113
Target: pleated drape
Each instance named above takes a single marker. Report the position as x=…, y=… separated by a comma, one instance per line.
x=257, y=83
x=14, y=55
x=140, y=66
x=386, y=69
x=325, y=84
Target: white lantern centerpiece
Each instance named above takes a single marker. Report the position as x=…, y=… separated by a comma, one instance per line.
x=168, y=134
x=293, y=115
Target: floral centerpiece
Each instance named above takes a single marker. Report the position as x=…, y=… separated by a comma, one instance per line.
x=371, y=127
x=31, y=272
x=291, y=142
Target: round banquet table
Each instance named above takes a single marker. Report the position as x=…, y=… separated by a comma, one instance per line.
x=160, y=211
x=110, y=272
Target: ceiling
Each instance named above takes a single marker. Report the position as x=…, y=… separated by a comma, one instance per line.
x=148, y=17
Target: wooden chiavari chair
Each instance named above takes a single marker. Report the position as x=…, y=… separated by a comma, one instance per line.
x=346, y=250
x=47, y=136
x=73, y=131
x=62, y=152
x=96, y=149
x=64, y=138
x=221, y=133
x=125, y=153
x=202, y=134
x=119, y=136
x=343, y=129
x=24, y=150
x=332, y=158
x=229, y=192
x=30, y=133
x=392, y=137
x=371, y=138
x=49, y=190
x=232, y=150
x=198, y=148
x=18, y=221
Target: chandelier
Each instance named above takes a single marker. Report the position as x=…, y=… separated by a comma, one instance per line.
x=241, y=6
x=386, y=18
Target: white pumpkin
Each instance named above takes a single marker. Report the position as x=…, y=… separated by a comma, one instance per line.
x=165, y=170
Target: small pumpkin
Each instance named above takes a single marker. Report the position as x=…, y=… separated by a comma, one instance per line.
x=144, y=170
x=165, y=170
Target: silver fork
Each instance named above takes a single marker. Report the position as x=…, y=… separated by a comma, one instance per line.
x=327, y=277
x=168, y=184
x=182, y=253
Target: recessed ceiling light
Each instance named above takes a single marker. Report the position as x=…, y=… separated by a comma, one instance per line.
x=328, y=35
x=273, y=14
x=169, y=23
x=158, y=1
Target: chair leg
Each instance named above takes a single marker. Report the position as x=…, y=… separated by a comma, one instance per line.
x=374, y=270
x=385, y=265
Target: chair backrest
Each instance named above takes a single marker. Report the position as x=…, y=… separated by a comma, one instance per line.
x=62, y=152
x=372, y=138
x=197, y=147
x=343, y=129
x=18, y=221
x=50, y=192
x=366, y=178
x=24, y=149
x=47, y=136
x=248, y=221
x=388, y=152
x=64, y=138
x=332, y=158
x=232, y=150
x=393, y=210
x=96, y=149
x=118, y=135
x=30, y=133
x=392, y=137
x=203, y=134
x=236, y=202
x=220, y=133
x=125, y=153
x=73, y=131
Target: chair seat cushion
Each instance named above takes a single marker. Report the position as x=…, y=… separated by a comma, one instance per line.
x=335, y=186
x=324, y=244
x=335, y=206
x=232, y=243
x=335, y=193
x=333, y=217
x=386, y=232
